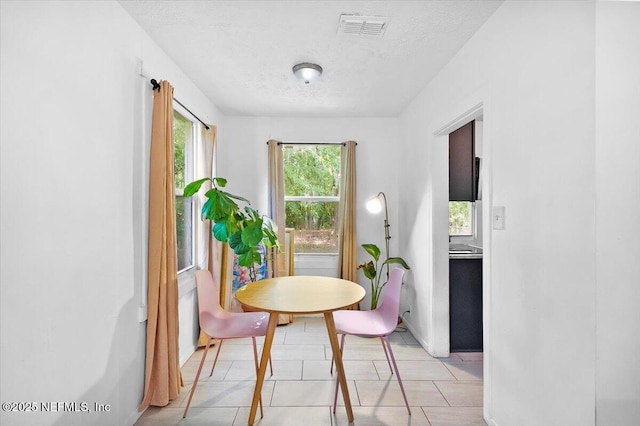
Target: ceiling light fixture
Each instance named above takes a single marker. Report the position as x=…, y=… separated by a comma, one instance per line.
x=307, y=72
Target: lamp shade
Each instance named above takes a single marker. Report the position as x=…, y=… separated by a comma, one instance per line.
x=307, y=72
x=374, y=205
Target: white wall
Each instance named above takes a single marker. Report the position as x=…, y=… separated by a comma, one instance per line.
x=75, y=120
x=617, y=205
x=243, y=160
x=532, y=67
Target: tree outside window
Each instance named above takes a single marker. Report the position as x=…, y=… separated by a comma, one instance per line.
x=312, y=193
x=183, y=130
x=460, y=218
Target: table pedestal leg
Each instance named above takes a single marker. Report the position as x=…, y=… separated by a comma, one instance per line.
x=337, y=355
x=264, y=360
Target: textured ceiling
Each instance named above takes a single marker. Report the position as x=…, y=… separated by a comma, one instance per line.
x=240, y=53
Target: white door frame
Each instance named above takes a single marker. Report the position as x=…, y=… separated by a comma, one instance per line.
x=442, y=136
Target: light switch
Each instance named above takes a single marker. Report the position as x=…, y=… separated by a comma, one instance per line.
x=498, y=217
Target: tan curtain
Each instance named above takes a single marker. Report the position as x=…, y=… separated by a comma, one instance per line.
x=205, y=167
x=276, y=204
x=276, y=213
x=162, y=373
x=210, y=249
x=348, y=248
x=214, y=249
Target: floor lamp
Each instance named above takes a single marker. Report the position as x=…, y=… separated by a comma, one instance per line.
x=374, y=205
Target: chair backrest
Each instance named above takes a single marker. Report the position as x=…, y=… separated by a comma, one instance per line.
x=208, y=297
x=390, y=305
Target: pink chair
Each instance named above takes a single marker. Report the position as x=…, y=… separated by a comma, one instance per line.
x=218, y=323
x=380, y=322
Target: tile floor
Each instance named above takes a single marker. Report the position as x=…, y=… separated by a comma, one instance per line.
x=300, y=392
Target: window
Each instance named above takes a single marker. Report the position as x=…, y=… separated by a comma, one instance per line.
x=461, y=218
x=183, y=137
x=311, y=182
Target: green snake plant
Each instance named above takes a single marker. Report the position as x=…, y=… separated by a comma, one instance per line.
x=371, y=271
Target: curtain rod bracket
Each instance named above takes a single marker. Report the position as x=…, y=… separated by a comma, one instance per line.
x=156, y=85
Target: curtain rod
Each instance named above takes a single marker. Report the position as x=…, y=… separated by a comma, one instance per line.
x=312, y=143
x=156, y=85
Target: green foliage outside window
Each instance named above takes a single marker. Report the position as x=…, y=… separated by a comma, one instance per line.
x=182, y=133
x=312, y=171
x=460, y=218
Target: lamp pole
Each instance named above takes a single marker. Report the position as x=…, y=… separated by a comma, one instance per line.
x=387, y=237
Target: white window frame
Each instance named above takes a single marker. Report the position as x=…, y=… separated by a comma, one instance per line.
x=312, y=198
x=474, y=221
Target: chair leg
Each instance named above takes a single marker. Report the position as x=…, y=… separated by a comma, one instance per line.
x=216, y=360
x=395, y=367
x=386, y=354
x=270, y=365
x=335, y=396
x=195, y=382
x=255, y=359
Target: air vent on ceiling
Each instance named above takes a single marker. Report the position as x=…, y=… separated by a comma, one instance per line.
x=363, y=26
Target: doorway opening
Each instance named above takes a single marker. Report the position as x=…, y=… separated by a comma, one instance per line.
x=479, y=241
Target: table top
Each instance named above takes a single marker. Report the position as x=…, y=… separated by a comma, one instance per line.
x=300, y=294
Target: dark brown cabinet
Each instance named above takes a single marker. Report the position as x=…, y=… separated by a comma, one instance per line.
x=463, y=165
x=465, y=305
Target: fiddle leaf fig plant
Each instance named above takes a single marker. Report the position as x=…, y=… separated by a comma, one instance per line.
x=243, y=229
x=371, y=271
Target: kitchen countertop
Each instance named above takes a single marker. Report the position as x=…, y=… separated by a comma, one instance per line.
x=464, y=251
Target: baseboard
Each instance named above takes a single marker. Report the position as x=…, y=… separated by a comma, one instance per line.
x=134, y=417
x=422, y=342
x=185, y=356
x=489, y=421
